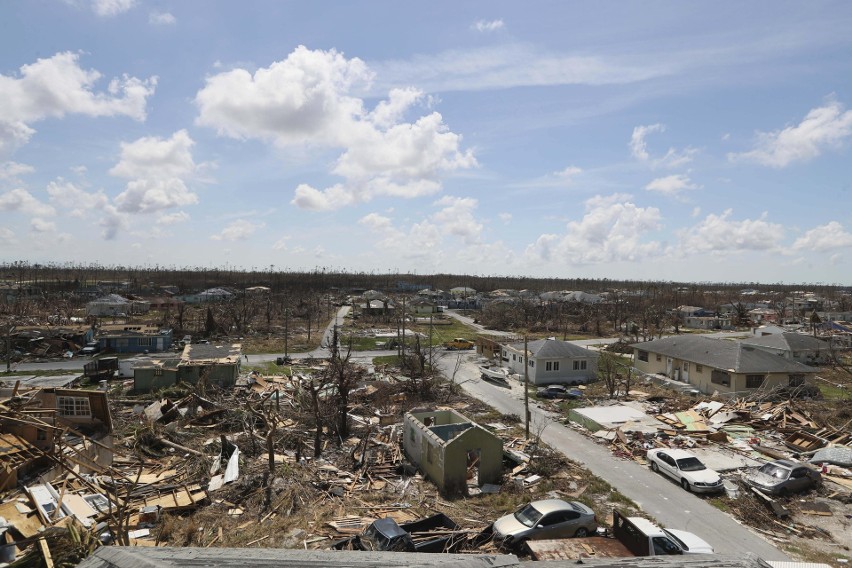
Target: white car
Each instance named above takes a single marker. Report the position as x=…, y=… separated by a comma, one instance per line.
x=686, y=469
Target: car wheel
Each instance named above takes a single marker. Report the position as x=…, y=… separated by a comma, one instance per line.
x=654, y=466
x=581, y=532
x=685, y=484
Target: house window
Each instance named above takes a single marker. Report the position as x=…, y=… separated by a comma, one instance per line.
x=146, y=341
x=158, y=372
x=548, y=366
x=659, y=357
x=686, y=367
x=122, y=342
x=41, y=434
x=579, y=365
x=754, y=381
x=720, y=378
x=556, y=365
x=796, y=380
x=429, y=452
x=643, y=356
x=411, y=434
x=699, y=368
x=514, y=357
x=73, y=406
x=532, y=363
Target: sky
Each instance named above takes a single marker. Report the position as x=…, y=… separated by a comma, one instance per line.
x=658, y=140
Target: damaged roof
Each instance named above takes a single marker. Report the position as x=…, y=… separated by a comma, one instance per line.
x=200, y=352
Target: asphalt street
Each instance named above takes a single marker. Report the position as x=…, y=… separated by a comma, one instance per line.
x=670, y=505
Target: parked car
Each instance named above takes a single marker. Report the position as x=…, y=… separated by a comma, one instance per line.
x=459, y=343
x=548, y=518
x=782, y=477
x=91, y=348
x=558, y=391
x=686, y=469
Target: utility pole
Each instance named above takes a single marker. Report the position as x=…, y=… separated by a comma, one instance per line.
x=431, y=350
x=526, y=390
x=11, y=328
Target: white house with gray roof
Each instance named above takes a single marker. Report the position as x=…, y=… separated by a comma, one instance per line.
x=718, y=365
x=794, y=346
x=551, y=361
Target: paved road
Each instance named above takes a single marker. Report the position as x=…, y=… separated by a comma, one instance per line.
x=665, y=501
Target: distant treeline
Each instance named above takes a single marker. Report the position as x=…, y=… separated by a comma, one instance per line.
x=71, y=277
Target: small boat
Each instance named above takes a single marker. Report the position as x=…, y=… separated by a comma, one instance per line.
x=496, y=373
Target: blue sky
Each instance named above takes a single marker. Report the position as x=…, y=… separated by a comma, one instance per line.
x=653, y=140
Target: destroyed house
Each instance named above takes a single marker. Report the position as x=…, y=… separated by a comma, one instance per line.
x=33, y=421
x=217, y=364
x=718, y=365
x=451, y=450
x=134, y=338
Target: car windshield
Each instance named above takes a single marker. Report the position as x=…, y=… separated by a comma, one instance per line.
x=690, y=464
x=676, y=539
x=528, y=515
x=775, y=471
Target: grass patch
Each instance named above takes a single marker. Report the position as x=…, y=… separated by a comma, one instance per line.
x=39, y=373
x=393, y=360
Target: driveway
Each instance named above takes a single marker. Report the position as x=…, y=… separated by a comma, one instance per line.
x=666, y=502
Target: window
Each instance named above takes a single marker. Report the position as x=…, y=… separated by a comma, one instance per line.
x=73, y=406
x=146, y=341
x=579, y=365
x=429, y=452
x=720, y=378
x=699, y=368
x=556, y=365
x=514, y=357
x=41, y=434
x=686, y=366
x=532, y=363
x=659, y=357
x=548, y=366
x=796, y=380
x=411, y=434
x=643, y=356
x=754, y=381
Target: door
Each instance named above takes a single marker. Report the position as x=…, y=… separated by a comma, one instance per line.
x=669, y=466
x=685, y=375
x=669, y=366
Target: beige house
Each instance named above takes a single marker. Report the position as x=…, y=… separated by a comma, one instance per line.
x=451, y=450
x=718, y=365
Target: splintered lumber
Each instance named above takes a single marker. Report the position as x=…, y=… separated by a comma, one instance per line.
x=171, y=444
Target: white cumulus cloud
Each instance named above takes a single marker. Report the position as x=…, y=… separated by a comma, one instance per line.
x=173, y=218
x=22, y=200
x=823, y=127
x=672, y=185
x=161, y=18
x=56, y=86
x=721, y=234
x=238, y=230
x=671, y=159
x=307, y=100
x=158, y=169
x=11, y=170
x=613, y=228
x=488, y=25
x=69, y=197
x=40, y=225
x=830, y=236
x=109, y=8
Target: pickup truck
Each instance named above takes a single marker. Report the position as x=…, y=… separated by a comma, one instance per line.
x=459, y=343
x=631, y=536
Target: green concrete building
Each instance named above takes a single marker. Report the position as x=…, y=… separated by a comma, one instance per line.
x=219, y=364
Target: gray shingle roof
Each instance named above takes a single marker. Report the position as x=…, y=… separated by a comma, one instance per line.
x=788, y=341
x=553, y=348
x=722, y=354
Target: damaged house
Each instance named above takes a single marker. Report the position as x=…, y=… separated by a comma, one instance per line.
x=36, y=423
x=133, y=338
x=451, y=450
x=217, y=364
x=718, y=365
